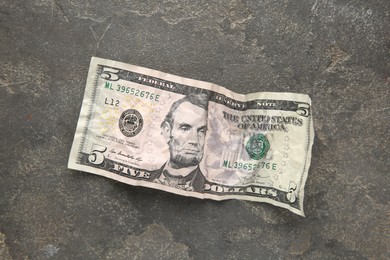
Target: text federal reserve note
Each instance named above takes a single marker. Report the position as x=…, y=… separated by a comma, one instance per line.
x=148, y=128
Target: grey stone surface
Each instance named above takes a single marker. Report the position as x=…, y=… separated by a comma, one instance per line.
x=336, y=51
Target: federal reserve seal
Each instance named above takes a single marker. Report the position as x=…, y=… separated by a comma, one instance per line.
x=131, y=122
x=257, y=146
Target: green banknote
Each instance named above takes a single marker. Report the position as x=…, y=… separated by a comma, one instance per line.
x=148, y=128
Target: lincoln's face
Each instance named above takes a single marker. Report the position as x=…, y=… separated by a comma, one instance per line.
x=187, y=135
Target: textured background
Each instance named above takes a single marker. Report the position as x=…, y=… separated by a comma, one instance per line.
x=337, y=51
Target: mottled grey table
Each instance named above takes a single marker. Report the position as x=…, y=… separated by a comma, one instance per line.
x=336, y=51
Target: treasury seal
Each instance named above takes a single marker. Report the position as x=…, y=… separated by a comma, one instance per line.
x=131, y=122
x=257, y=146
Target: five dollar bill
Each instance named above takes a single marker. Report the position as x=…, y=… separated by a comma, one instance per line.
x=148, y=128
